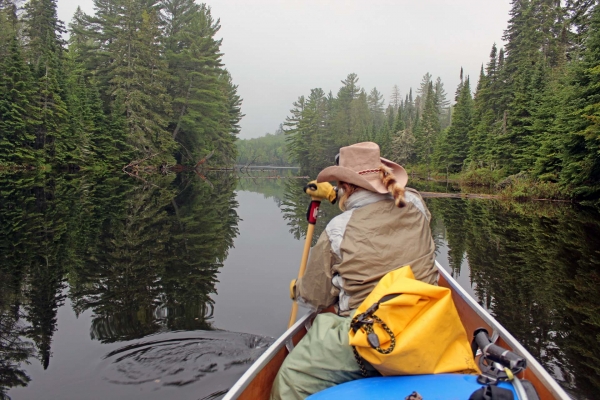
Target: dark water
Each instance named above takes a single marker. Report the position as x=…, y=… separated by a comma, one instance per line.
x=113, y=287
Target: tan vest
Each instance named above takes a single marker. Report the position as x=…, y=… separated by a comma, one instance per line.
x=361, y=245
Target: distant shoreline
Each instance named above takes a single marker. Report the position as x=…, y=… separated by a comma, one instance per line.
x=264, y=166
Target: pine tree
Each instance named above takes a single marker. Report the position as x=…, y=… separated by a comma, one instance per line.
x=457, y=136
x=44, y=53
x=399, y=124
x=199, y=98
x=423, y=91
x=360, y=118
x=345, y=103
x=384, y=140
x=580, y=161
x=234, y=116
x=376, y=103
x=395, y=98
x=410, y=112
x=429, y=128
x=297, y=145
x=16, y=111
x=533, y=43
x=443, y=103
x=138, y=79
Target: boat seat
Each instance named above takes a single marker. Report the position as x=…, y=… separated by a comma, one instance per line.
x=430, y=387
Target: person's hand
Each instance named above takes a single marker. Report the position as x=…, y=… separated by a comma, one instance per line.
x=293, y=289
x=323, y=190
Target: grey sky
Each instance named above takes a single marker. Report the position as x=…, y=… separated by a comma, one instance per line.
x=277, y=50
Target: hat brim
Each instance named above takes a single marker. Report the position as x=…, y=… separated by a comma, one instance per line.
x=370, y=182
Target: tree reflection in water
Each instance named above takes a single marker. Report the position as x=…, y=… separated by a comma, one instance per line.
x=142, y=256
x=536, y=267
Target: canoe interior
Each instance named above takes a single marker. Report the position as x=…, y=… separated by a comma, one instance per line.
x=259, y=387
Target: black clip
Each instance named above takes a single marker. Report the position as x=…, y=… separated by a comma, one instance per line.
x=360, y=320
x=372, y=309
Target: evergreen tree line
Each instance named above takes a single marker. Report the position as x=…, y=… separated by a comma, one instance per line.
x=139, y=78
x=534, y=113
x=322, y=123
x=265, y=150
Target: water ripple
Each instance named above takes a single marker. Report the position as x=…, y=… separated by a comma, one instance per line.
x=176, y=359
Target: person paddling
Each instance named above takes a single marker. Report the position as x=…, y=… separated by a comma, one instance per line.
x=384, y=226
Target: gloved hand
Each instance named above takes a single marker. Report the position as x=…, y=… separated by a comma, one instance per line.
x=293, y=289
x=323, y=190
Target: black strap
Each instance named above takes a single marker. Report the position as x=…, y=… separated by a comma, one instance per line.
x=492, y=392
x=388, y=297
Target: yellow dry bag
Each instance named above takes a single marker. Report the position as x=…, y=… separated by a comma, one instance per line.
x=408, y=327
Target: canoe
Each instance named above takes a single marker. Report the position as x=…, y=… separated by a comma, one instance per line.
x=256, y=383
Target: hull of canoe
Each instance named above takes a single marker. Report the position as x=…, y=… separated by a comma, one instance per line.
x=256, y=383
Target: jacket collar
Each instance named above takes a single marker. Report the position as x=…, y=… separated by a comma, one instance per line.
x=365, y=197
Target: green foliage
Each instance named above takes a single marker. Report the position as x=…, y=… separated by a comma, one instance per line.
x=265, y=150
x=581, y=158
x=140, y=78
x=480, y=177
x=319, y=125
x=428, y=129
x=454, y=147
x=534, y=111
x=16, y=110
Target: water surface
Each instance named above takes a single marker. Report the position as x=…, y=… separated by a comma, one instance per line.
x=170, y=286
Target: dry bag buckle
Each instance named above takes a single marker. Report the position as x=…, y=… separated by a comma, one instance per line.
x=359, y=321
x=365, y=318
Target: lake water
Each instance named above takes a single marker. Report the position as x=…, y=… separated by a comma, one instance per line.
x=170, y=286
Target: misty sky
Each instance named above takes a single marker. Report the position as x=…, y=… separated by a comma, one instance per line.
x=277, y=50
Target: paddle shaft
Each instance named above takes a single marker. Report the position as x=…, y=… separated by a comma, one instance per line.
x=312, y=220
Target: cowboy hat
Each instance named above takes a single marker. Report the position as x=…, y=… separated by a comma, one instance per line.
x=359, y=164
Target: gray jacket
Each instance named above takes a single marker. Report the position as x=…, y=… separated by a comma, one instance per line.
x=361, y=245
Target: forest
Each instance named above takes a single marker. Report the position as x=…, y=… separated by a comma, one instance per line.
x=139, y=79
x=532, y=116
x=265, y=150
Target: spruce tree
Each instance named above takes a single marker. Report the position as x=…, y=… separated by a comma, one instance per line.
x=429, y=128
x=423, y=91
x=200, y=121
x=16, y=111
x=580, y=160
x=44, y=53
x=376, y=103
x=457, y=136
x=443, y=103
x=395, y=98
x=138, y=79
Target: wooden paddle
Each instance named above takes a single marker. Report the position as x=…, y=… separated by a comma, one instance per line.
x=311, y=216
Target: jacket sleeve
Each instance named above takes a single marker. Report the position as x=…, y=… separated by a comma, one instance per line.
x=314, y=288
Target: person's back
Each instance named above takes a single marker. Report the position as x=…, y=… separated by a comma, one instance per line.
x=384, y=226
x=358, y=247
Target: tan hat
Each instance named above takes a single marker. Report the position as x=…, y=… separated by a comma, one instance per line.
x=359, y=165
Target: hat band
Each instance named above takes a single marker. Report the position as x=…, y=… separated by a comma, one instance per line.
x=368, y=171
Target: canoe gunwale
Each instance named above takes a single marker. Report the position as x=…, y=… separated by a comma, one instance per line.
x=532, y=364
x=238, y=388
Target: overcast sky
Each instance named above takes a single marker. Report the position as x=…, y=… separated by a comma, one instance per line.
x=277, y=50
